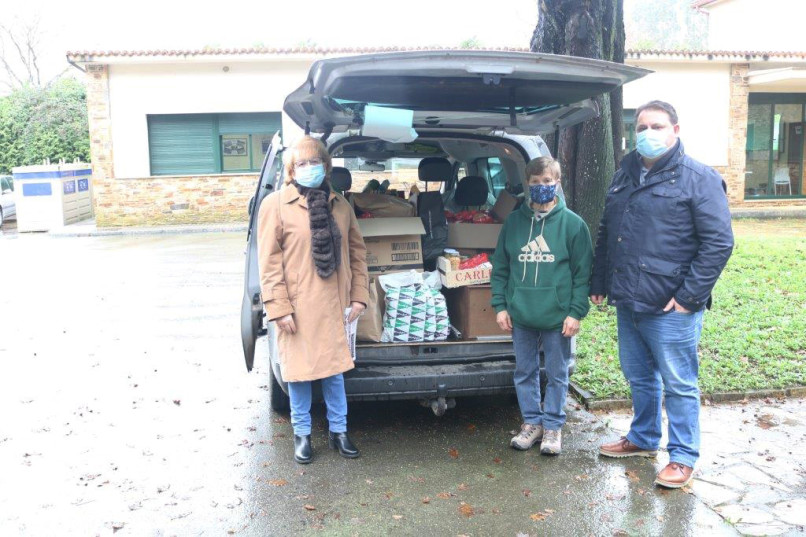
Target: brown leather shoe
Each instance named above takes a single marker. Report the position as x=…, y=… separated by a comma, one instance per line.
x=624, y=448
x=674, y=476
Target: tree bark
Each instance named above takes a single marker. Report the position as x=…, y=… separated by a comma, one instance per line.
x=588, y=152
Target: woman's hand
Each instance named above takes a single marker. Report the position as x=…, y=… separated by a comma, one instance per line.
x=286, y=324
x=356, y=309
x=504, y=321
x=570, y=327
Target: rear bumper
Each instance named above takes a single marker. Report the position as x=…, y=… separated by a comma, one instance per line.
x=375, y=383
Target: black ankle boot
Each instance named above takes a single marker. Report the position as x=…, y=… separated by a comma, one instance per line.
x=302, y=449
x=342, y=442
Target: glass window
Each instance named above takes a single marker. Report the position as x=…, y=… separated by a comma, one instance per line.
x=235, y=152
x=775, y=146
x=628, y=141
x=497, y=175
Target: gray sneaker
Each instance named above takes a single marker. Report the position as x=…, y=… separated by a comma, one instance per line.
x=529, y=435
x=552, y=442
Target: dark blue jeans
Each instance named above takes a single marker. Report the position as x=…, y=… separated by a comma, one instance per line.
x=659, y=352
x=557, y=351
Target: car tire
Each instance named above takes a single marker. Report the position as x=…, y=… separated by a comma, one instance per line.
x=280, y=402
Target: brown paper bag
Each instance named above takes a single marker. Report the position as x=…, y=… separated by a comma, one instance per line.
x=370, y=325
x=382, y=205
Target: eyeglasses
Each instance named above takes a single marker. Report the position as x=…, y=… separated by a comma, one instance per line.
x=306, y=163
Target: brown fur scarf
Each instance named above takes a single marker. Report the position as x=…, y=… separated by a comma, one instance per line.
x=325, y=234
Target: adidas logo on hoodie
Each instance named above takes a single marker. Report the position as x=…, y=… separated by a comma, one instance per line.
x=536, y=251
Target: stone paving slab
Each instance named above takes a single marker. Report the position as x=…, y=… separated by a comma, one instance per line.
x=752, y=469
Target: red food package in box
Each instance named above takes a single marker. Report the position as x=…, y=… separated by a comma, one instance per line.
x=483, y=218
x=474, y=261
x=365, y=215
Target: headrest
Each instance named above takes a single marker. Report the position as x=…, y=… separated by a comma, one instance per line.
x=471, y=191
x=341, y=179
x=437, y=169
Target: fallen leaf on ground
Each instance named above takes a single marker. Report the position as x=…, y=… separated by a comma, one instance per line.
x=765, y=421
x=416, y=479
x=466, y=509
x=426, y=500
x=497, y=460
x=581, y=477
x=471, y=427
x=527, y=492
x=397, y=517
x=369, y=481
x=444, y=495
x=537, y=517
x=490, y=476
x=632, y=474
x=462, y=486
x=454, y=453
x=278, y=482
x=309, y=507
x=177, y=402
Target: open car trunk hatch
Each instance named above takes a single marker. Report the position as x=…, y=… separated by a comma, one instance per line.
x=475, y=90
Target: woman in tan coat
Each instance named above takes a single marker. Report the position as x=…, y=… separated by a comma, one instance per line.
x=313, y=275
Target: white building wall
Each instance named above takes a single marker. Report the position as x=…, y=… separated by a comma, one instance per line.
x=191, y=88
x=769, y=25
x=701, y=95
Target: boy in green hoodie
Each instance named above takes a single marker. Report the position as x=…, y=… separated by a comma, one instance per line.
x=540, y=282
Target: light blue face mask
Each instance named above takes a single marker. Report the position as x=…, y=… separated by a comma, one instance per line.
x=651, y=143
x=310, y=176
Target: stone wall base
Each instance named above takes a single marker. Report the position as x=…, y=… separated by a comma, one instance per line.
x=167, y=200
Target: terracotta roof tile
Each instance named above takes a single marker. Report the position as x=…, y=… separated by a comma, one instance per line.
x=87, y=55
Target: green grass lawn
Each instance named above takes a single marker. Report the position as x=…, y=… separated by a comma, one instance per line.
x=754, y=337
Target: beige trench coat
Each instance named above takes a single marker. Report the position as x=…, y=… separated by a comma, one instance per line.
x=289, y=284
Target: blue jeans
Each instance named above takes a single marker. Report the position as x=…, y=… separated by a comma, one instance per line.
x=335, y=400
x=557, y=352
x=661, y=351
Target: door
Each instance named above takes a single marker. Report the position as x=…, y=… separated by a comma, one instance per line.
x=252, y=306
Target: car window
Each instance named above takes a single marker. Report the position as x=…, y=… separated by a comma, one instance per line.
x=5, y=184
x=493, y=171
x=398, y=176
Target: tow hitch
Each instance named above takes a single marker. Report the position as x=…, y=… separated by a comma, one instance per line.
x=439, y=404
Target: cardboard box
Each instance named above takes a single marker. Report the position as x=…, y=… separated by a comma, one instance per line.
x=471, y=313
x=478, y=236
x=458, y=278
x=393, y=244
x=504, y=205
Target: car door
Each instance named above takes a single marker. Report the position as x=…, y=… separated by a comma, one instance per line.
x=252, y=305
x=478, y=91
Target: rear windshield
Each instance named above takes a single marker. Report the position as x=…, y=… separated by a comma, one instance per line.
x=400, y=173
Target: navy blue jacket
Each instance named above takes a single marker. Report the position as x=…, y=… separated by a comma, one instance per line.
x=670, y=237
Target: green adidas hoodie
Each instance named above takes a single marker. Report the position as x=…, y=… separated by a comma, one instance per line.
x=542, y=267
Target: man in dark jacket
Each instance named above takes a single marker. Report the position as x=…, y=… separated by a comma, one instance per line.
x=663, y=240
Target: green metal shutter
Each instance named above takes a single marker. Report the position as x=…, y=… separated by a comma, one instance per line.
x=267, y=123
x=183, y=144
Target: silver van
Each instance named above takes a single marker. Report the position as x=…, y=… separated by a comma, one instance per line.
x=475, y=113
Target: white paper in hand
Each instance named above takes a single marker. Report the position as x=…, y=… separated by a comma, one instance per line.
x=350, y=330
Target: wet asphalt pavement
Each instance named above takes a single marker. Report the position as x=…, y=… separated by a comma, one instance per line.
x=127, y=410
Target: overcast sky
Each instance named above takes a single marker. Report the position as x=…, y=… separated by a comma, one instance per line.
x=149, y=24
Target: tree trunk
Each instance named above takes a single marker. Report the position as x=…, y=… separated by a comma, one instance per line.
x=588, y=152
